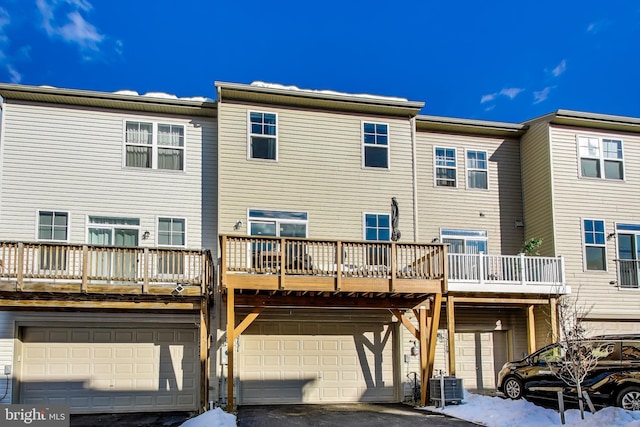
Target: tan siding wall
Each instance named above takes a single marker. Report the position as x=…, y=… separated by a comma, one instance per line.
x=71, y=159
x=537, y=187
x=318, y=171
x=460, y=207
x=611, y=201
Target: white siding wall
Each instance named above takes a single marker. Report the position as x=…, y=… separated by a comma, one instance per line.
x=6, y=355
x=319, y=171
x=460, y=207
x=71, y=159
x=612, y=201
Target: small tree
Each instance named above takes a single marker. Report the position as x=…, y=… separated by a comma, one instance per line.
x=580, y=354
x=531, y=246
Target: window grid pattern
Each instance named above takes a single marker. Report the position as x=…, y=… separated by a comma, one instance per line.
x=171, y=232
x=154, y=145
x=446, y=167
x=263, y=133
x=477, y=169
x=595, y=244
x=377, y=227
x=53, y=226
x=375, y=139
x=601, y=158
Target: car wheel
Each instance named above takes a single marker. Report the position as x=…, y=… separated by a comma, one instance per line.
x=629, y=399
x=512, y=388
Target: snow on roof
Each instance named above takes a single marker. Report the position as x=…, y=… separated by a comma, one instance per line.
x=326, y=92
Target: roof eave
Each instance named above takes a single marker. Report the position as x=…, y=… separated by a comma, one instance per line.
x=468, y=126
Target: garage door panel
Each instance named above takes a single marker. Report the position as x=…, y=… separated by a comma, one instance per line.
x=326, y=366
x=110, y=370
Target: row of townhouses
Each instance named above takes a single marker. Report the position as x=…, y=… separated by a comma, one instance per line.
x=279, y=245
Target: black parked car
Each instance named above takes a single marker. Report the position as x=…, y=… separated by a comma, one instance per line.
x=614, y=381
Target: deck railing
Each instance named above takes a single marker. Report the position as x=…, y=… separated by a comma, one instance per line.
x=506, y=269
x=628, y=273
x=334, y=258
x=92, y=264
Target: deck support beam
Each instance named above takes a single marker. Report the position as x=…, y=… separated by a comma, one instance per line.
x=531, y=330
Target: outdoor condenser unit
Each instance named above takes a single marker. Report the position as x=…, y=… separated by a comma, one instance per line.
x=453, y=391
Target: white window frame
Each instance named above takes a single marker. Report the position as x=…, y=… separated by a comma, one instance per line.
x=155, y=145
x=481, y=236
x=436, y=166
x=627, y=228
x=250, y=136
x=585, y=245
x=375, y=145
x=277, y=221
x=476, y=169
x=54, y=211
x=601, y=158
x=172, y=218
x=364, y=225
x=112, y=227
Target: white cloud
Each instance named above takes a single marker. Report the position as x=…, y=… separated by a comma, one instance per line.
x=510, y=93
x=72, y=28
x=541, y=95
x=561, y=68
x=15, y=76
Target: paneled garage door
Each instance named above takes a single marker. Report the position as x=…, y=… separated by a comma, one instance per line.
x=110, y=369
x=289, y=362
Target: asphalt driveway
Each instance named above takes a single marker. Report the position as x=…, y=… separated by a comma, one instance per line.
x=343, y=415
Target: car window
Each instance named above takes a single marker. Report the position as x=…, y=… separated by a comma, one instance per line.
x=551, y=355
x=631, y=350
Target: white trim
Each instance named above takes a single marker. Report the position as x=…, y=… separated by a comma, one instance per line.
x=363, y=145
x=37, y=223
x=468, y=169
x=436, y=166
x=364, y=225
x=584, y=245
x=601, y=157
x=154, y=144
x=113, y=226
x=157, y=233
x=277, y=221
x=464, y=238
x=250, y=135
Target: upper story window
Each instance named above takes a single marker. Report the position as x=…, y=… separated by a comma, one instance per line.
x=595, y=250
x=53, y=226
x=464, y=241
x=477, y=175
x=263, y=135
x=377, y=227
x=171, y=232
x=154, y=145
x=375, y=145
x=445, y=167
x=601, y=158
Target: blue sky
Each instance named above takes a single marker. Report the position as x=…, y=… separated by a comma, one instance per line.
x=492, y=60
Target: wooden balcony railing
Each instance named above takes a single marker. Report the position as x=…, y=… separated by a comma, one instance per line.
x=23, y=263
x=493, y=271
x=256, y=262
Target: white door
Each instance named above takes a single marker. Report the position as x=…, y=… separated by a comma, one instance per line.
x=290, y=362
x=96, y=370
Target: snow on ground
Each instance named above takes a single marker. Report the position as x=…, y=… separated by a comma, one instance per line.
x=499, y=412
x=214, y=418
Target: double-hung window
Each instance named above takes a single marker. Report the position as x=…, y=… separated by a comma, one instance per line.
x=445, y=167
x=171, y=232
x=595, y=250
x=375, y=145
x=263, y=136
x=601, y=158
x=477, y=176
x=53, y=227
x=154, y=145
x=377, y=227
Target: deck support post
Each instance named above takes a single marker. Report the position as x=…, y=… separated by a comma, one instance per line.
x=434, y=323
x=422, y=327
x=531, y=330
x=451, y=335
x=204, y=352
x=231, y=315
x=553, y=318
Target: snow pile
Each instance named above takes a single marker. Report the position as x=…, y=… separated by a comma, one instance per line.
x=499, y=412
x=326, y=92
x=215, y=418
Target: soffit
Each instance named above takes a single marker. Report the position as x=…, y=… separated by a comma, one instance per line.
x=107, y=100
x=469, y=127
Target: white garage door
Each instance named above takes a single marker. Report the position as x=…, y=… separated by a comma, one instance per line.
x=287, y=362
x=110, y=369
x=478, y=357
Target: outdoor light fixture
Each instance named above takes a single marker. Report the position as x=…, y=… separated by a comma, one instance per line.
x=145, y=235
x=238, y=224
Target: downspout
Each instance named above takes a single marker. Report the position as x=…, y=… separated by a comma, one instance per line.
x=414, y=166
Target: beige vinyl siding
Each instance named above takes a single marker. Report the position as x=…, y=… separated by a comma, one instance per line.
x=319, y=171
x=6, y=355
x=590, y=198
x=469, y=320
x=460, y=208
x=71, y=159
x=537, y=187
